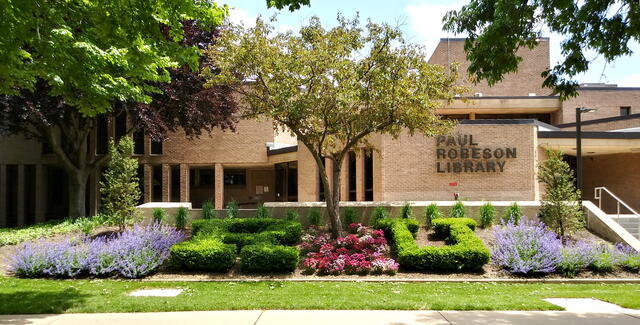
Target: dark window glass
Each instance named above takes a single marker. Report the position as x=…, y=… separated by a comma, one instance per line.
x=352, y=176
x=175, y=183
x=30, y=194
x=156, y=147
x=235, y=177
x=157, y=184
x=121, y=125
x=12, y=195
x=46, y=149
x=292, y=182
x=102, y=136
x=138, y=142
x=625, y=111
x=545, y=118
x=57, y=198
x=368, y=175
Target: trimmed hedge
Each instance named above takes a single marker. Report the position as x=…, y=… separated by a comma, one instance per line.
x=207, y=254
x=267, y=238
x=268, y=258
x=464, y=250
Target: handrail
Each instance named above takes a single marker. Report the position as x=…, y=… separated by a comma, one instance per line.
x=597, y=195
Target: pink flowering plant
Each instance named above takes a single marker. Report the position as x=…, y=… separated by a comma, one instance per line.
x=363, y=251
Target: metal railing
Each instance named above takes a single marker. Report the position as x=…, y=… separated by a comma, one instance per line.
x=597, y=195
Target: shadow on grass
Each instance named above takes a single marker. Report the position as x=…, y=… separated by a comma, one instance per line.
x=39, y=302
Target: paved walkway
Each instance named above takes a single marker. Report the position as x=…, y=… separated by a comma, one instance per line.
x=335, y=317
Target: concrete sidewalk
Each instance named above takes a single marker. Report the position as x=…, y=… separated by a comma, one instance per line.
x=334, y=317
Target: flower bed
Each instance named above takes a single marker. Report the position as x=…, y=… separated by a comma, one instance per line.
x=529, y=248
x=133, y=253
x=464, y=250
x=362, y=252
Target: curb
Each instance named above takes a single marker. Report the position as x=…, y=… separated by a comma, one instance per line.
x=410, y=280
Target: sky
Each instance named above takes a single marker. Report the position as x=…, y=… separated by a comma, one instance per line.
x=421, y=20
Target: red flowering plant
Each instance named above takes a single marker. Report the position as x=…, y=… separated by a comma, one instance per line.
x=363, y=251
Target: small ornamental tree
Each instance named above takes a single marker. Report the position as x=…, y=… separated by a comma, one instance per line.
x=333, y=88
x=560, y=208
x=120, y=189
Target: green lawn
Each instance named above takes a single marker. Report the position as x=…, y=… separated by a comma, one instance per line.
x=21, y=296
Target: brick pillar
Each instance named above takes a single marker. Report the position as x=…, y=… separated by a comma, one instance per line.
x=344, y=179
x=21, y=195
x=360, y=175
x=41, y=193
x=166, y=183
x=218, y=181
x=3, y=195
x=184, y=183
x=148, y=183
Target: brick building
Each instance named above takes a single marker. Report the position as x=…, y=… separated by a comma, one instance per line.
x=491, y=155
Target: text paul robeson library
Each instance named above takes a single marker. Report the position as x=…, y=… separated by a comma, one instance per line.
x=460, y=154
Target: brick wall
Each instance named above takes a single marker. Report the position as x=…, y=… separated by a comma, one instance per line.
x=618, y=173
x=607, y=101
x=527, y=80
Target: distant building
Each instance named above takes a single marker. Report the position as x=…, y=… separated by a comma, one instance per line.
x=491, y=155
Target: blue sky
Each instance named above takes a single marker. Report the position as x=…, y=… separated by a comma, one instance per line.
x=421, y=21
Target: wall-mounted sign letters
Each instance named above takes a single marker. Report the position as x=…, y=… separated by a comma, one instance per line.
x=460, y=154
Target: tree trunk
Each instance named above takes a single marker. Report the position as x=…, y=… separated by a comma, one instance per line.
x=77, y=193
x=333, y=201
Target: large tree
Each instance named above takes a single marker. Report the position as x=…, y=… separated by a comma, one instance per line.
x=63, y=64
x=497, y=29
x=333, y=88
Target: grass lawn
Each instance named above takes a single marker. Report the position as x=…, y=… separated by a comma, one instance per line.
x=23, y=296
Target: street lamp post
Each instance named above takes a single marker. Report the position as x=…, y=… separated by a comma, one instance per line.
x=579, y=111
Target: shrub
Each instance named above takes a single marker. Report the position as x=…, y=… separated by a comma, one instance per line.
x=233, y=211
x=513, y=212
x=431, y=213
x=208, y=211
x=458, y=210
x=182, y=218
x=464, y=252
x=576, y=256
x=379, y=213
x=262, y=211
x=132, y=253
x=314, y=217
x=159, y=215
x=120, y=189
x=350, y=215
x=630, y=258
x=206, y=254
x=487, y=215
x=560, y=208
x=292, y=215
x=268, y=258
x=406, y=212
x=526, y=247
x=605, y=258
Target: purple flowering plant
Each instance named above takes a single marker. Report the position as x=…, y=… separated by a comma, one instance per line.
x=132, y=253
x=526, y=247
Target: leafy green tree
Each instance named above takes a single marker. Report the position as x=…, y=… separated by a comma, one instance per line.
x=560, y=208
x=291, y=4
x=64, y=63
x=120, y=188
x=333, y=88
x=497, y=29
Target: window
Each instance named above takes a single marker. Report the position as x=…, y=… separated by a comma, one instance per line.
x=156, y=147
x=121, y=125
x=625, y=111
x=352, y=176
x=138, y=142
x=235, y=177
x=102, y=136
x=156, y=189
